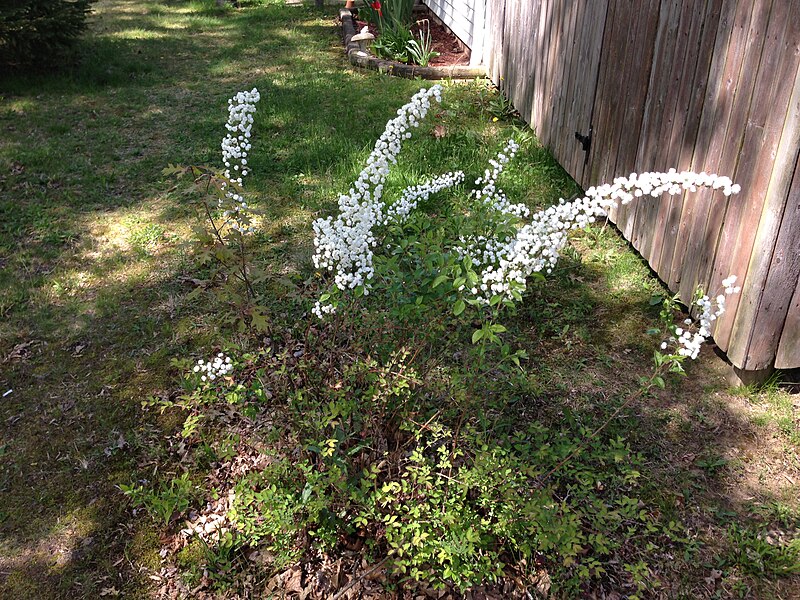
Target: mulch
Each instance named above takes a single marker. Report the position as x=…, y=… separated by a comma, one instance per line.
x=451, y=50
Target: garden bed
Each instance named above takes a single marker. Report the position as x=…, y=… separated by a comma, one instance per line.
x=449, y=66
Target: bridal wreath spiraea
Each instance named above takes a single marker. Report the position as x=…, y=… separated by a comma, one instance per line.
x=344, y=243
x=235, y=147
x=507, y=263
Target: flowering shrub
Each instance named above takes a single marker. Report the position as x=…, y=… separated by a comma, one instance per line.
x=398, y=438
x=235, y=147
x=223, y=241
x=688, y=340
x=501, y=249
x=344, y=244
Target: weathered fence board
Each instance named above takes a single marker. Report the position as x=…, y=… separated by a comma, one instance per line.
x=567, y=97
x=658, y=114
x=673, y=124
x=689, y=131
x=789, y=346
x=707, y=85
x=775, y=245
x=593, y=26
x=494, y=40
x=758, y=146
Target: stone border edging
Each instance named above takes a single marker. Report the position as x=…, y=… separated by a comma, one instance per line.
x=368, y=61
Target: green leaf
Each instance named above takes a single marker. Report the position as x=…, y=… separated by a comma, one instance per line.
x=259, y=320
x=439, y=280
x=497, y=328
x=459, y=307
x=477, y=335
x=306, y=493
x=458, y=282
x=172, y=170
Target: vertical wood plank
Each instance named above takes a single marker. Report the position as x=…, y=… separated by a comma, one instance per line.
x=597, y=23
x=530, y=62
x=756, y=329
x=713, y=136
x=772, y=332
x=610, y=95
x=510, y=42
x=709, y=111
x=684, y=134
x=687, y=30
x=607, y=80
x=541, y=74
x=697, y=270
x=568, y=118
x=789, y=347
x=560, y=66
x=761, y=136
x=628, y=118
x=573, y=120
x=658, y=112
x=496, y=17
x=550, y=52
x=562, y=137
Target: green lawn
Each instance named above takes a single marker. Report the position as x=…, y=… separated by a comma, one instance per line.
x=96, y=282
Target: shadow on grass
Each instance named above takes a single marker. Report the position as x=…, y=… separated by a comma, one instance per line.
x=79, y=145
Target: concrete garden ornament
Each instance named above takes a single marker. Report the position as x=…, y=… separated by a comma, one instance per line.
x=364, y=38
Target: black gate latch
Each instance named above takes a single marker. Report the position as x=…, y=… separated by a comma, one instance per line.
x=586, y=141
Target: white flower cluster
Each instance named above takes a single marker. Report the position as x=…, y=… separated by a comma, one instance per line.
x=688, y=341
x=413, y=195
x=219, y=366
x=537, y=245
x=490, y=194
x=322, y=308
x=235, y=147
x=729, y=284
x=344, y=244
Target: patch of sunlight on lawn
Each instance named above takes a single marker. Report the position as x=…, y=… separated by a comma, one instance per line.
x=138, y=34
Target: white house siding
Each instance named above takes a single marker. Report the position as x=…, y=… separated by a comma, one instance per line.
x=466, y=18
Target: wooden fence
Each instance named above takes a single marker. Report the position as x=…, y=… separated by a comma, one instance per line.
x=707, y=85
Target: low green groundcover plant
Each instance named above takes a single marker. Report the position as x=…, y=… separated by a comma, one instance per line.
x=399, y=418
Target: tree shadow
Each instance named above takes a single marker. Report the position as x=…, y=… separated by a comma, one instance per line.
x=72, y=429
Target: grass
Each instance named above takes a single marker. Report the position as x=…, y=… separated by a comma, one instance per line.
x=95, y=280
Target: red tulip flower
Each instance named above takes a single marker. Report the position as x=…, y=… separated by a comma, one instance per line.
x=377, y=6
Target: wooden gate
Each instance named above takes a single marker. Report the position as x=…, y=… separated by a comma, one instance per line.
x=706, y=85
